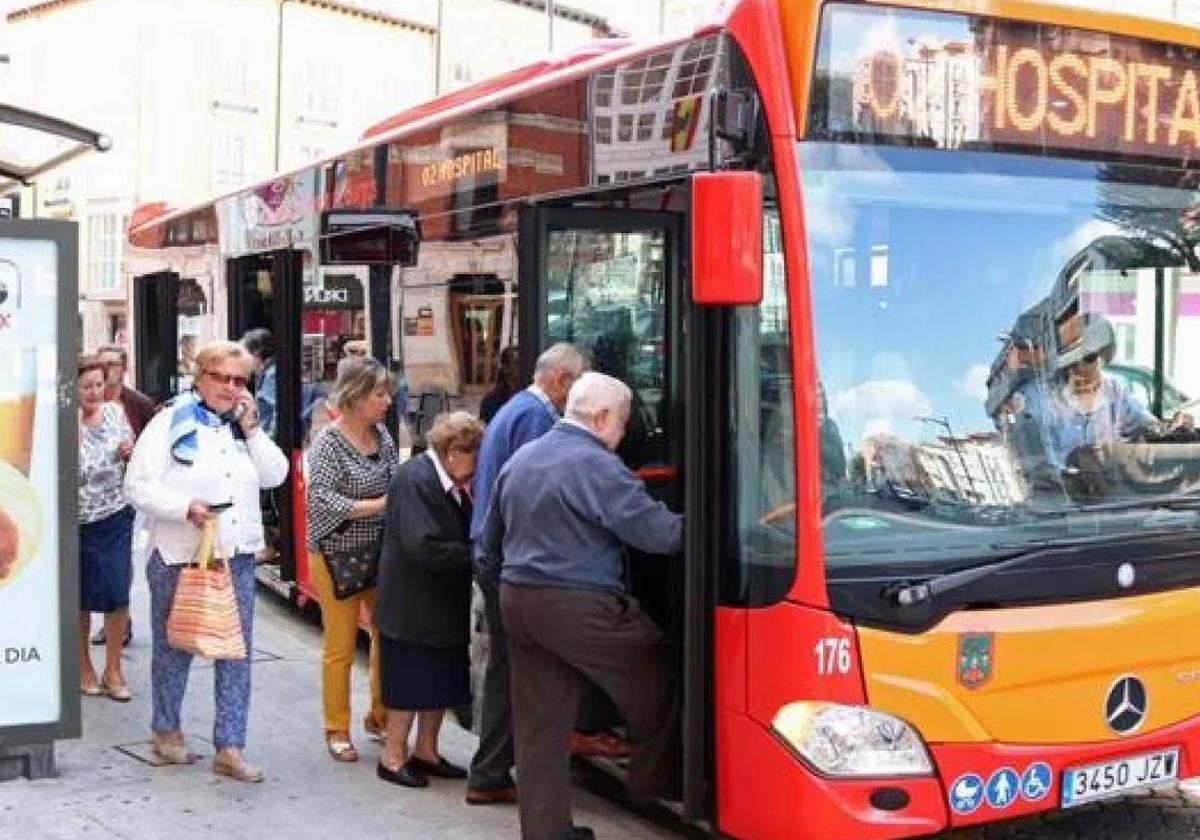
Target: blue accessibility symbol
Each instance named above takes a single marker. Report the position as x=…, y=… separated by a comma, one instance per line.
x=1002, y=788
x=966, y=794
x=1037, y=781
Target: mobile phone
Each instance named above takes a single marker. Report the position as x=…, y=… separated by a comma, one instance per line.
x=220, y=507
x=234, y=414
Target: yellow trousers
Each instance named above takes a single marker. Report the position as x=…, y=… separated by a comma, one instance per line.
x=340, y=622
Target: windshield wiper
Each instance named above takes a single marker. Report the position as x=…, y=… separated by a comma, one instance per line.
x=915, y=594
x=1190, y=502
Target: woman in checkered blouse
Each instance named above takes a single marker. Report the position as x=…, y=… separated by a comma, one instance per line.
x=351, y=463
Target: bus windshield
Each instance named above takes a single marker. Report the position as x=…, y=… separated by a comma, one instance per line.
x=1007, y=347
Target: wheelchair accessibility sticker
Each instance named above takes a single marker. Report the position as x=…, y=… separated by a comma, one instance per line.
x=966, y=794
x=1036, y=781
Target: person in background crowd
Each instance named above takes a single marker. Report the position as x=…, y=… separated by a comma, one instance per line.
x=505, y=387
x=351, y=465
x=105, y=530
x=524, y=417
x=563, y=509
x=260, y=344
x=193, y=463
x=138, y=409
x=423, y=606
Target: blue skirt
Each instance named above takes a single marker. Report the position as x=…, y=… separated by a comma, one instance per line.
x=418, y=677
x=106, y=563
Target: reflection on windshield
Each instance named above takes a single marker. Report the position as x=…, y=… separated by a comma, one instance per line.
x=1000, y=341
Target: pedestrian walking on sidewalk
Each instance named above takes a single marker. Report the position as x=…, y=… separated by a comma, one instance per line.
x=563, y=510
x=424, y=602
x=351, y=464
x=105, y=530
x=204, y=456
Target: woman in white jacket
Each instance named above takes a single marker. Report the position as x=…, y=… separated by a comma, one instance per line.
x=203, y=457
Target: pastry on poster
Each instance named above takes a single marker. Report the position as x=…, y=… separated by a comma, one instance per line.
x=20, y=523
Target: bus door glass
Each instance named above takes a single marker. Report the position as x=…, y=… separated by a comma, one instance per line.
x=607, y=282
x=156, y=334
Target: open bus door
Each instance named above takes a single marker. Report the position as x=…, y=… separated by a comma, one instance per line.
x=265, y=292
x=611, y=281
x=156, y=334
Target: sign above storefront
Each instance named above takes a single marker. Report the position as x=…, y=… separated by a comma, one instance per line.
x=274, y=216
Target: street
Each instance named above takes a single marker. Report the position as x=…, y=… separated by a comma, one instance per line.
x=107, y=788
x=1167, y=815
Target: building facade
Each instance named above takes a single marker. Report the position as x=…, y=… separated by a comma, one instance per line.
x=292, y=82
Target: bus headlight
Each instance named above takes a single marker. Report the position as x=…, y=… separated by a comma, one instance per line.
x=852, y=741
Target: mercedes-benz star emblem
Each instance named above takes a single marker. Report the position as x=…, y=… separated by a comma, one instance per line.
x=1126, y=705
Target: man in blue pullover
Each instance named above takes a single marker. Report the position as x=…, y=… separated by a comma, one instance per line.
x=526, y=416
x=563, y=510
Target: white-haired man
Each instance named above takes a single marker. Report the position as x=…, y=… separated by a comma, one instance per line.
x=564, y=508
x=525, y=417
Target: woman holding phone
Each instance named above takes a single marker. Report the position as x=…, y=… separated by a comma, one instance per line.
x=204, y=457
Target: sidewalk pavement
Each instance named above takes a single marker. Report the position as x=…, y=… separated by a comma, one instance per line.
x=108, y=789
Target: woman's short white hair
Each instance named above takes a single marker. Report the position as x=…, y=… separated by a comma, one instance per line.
x=595, y=392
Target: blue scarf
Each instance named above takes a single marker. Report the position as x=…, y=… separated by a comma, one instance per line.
x=189, y=413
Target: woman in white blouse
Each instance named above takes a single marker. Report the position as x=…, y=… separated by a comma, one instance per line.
x=204, y=457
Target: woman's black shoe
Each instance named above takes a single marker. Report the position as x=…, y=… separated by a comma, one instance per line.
x=442, y=768
x=407, y=775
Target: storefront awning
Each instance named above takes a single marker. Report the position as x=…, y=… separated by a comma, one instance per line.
x=33, y=143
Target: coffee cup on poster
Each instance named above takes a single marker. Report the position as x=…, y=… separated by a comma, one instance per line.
x=18, y=396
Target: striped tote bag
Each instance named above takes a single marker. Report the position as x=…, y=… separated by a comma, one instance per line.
x=204, y=619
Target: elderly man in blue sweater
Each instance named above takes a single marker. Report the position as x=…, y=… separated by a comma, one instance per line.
x=563, y=510
x=526, y=416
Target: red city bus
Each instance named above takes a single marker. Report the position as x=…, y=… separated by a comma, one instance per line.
x=864, y=267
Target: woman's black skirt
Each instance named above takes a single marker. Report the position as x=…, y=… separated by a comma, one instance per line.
x=421, y=678
x=106, y=563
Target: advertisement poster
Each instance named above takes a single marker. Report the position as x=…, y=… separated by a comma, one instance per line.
x=36, y=556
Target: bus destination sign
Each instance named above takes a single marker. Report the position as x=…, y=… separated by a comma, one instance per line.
x=957, y=82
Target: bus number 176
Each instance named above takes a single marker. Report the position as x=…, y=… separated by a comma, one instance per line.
x=833, y=656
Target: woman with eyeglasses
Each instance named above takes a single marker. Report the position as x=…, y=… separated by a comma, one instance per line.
x=204, y=457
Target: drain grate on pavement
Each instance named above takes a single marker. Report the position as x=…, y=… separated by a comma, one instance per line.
x=257, y=656
x=142, y=750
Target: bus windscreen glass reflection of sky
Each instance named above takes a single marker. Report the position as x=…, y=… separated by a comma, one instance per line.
x=1002, y=341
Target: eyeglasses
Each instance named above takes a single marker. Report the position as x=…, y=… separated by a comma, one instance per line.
x=1090, y=358
x=226, y=379
x=355, y=351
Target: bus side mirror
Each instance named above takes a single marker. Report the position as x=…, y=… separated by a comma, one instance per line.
x=727, y=238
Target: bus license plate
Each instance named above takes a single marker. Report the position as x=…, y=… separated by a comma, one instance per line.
x=1112, y=778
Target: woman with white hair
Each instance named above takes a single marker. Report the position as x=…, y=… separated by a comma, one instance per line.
x=424, y=599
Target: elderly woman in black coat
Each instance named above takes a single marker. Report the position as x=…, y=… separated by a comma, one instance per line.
x=423, y=599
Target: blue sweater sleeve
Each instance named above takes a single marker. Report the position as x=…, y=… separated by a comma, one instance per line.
x=634, y=515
